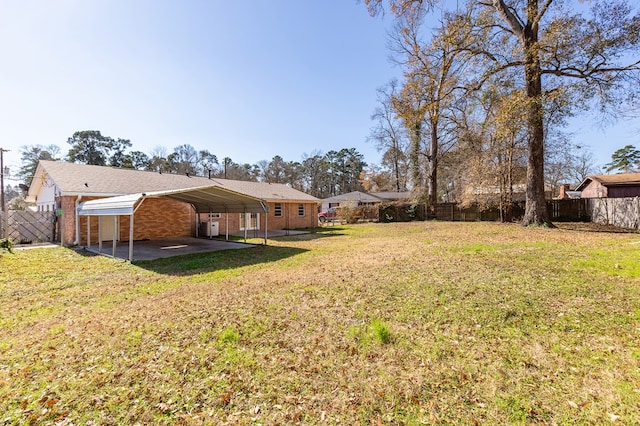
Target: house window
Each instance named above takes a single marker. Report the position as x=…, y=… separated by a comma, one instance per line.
x=249, y=221
x=300, y=209
x=277, y=210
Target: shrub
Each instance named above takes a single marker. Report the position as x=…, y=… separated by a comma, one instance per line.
x=349, y=214
x=6, y=245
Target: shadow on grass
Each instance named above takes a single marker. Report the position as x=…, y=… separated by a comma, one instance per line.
x=312, y=235
x=217, y=260
x=593, y=227
x=306, y=235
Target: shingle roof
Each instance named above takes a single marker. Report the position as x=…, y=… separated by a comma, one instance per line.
x=82, y=179
x=612, y=180
x=362, y=197
x=392, y=195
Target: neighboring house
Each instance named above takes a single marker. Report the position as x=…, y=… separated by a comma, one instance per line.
x=161, y=205
x=358, y=198
x=611, y=186
x=567, y=194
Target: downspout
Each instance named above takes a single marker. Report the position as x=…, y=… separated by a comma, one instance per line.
x=77, y=242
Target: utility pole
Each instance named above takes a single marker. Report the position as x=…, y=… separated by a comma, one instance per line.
x=3, y=204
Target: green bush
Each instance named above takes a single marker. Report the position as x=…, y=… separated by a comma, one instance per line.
x=6, y=245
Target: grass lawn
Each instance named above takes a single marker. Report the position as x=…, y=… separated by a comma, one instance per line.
x=416, y=323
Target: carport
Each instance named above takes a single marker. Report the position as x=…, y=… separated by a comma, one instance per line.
x=204, y=199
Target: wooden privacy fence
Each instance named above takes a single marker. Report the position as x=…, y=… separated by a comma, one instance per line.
x=401, y=212
x=26, y=227
x=570, y=210
x=621, y=212
x=559, y=211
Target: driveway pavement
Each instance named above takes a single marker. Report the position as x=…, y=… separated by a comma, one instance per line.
x=158, y=249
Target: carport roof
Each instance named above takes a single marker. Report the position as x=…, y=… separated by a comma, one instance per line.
x=204, y=199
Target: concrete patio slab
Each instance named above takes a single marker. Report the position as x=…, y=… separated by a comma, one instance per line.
x=159, y=249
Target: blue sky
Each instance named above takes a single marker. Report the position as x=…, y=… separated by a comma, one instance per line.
x=243, y=79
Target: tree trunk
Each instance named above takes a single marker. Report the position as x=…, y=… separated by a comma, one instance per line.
x=433, y=168
x=414, y=159
x=396, y=166
x=536, y=207
x=509, y=212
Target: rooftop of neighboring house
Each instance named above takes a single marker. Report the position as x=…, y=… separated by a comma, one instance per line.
x=88, y=180
x=619, y=179
x=367, y=197
x=392, y=195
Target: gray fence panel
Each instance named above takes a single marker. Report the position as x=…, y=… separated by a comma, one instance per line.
x=26, y=227
x=621, y=212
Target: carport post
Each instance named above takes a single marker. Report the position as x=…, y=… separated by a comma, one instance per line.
x=266, y=227
x=226, y=225
x=115, y=226
x=100, y=234
x=88, y=232
x=245, y=225
x=210, y=223
x=131, y=237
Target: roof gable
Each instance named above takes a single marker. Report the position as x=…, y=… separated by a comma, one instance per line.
x=619, y=179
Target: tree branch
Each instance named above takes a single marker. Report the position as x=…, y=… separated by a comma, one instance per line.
x=509, y=17
x=540, y=14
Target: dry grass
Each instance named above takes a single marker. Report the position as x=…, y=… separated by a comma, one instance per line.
x=419, y=323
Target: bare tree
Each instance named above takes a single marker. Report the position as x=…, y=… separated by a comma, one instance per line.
x=389, y=137
x=595, y=54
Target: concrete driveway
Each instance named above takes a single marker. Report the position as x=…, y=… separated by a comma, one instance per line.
x=158, y=249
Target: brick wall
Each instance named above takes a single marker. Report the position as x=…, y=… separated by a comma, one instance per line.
x=160, y=218
x=155, y=219
x=289, y=219
x=68, y=219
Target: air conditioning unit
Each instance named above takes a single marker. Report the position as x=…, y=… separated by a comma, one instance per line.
x=210, y=229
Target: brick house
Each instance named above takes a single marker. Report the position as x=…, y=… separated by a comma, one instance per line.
x=163, y=205
x=620, y=185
